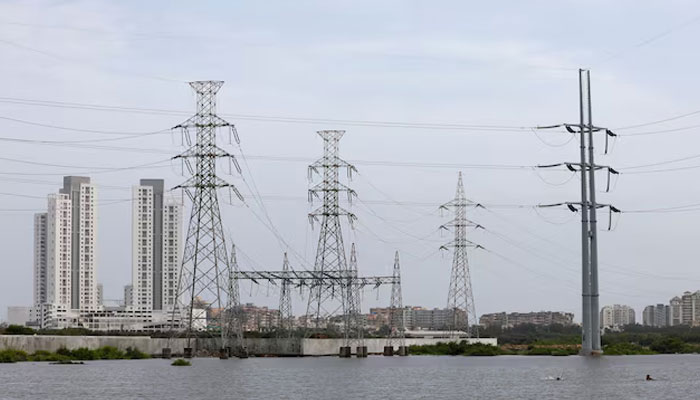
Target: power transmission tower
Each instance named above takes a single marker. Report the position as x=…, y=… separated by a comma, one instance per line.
x=397, y=324
x=353, y=321
x=460, y=299
x=590, y=335
x=286, y=319
x=324, y=300
x=208, y=291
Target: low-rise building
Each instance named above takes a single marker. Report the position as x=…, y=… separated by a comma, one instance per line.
x=509, y=320
x=616, y=316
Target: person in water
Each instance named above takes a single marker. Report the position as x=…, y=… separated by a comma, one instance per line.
x=649, y=378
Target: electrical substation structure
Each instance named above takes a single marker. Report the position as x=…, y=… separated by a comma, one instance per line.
x=334, y=284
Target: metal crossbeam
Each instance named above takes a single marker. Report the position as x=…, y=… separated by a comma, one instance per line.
x=317, y=278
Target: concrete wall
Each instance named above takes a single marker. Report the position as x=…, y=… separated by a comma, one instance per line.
x=327, y=347
x=154, y=346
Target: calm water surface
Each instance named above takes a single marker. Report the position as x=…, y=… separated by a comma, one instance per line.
x=415, y=377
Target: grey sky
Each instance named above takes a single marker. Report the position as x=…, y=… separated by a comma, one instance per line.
x=491, y=63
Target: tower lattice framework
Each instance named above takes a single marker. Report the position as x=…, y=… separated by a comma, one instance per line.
x=397, y=327
x=286, y=319
x=326, y=300
x=207, y=283
x=460, y=298
x=353, y=316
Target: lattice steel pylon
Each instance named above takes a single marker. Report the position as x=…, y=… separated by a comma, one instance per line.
x=286, y=319
x=208, y=292
x=460, y=298
x=326, y=300
x=353, y=322
x=397, y=324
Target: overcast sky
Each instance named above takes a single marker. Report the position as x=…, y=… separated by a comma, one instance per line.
x=508, y=63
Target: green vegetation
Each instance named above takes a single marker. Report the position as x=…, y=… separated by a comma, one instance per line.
x=63, y=354
x=529, y=334
x=621, y=349
x=181, y=363
x=456, y=349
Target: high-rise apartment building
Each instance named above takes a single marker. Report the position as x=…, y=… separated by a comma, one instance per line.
x=156, y=246
x=65, y=253
x=675, y=315
x=83, y=198
x=40, y=258
x=59, y=259
x=656, y=315
x=616, y=316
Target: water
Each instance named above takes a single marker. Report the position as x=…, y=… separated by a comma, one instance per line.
x=415, y=377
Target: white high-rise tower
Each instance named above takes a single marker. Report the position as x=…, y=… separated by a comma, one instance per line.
x=156, y=246
x=65, y=254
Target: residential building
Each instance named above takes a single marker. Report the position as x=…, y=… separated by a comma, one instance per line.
x=65, y=254
x=100, y=295
x=413, y=317
x=616, y=316
x=256, y=318
x=40, y=258
x=59, y=264
x=535, y=318
x=648, y=316
x=128, y=295
x=660, y=319
x=675, y=316
x=83, y=242
x=156, y=247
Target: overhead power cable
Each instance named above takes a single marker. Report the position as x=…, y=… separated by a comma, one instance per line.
x=101, y=132
x=270, y=118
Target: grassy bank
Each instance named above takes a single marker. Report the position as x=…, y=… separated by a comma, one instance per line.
x=464, y=349
x=663, y=346
x=81, y=354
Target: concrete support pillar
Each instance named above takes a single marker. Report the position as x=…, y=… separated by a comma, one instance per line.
x=361, y=351
x=167, y=352
x=345, y=352
x=403, y=351
x=187, y=352
x=223, y=353
x=388, y=351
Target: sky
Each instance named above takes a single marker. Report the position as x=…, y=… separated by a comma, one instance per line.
x=424, y=90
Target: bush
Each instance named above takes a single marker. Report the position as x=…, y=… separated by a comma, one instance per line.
x=63, y=352
x=135, y=354
x=43, y=355
x=620, y=349
x=670, y=345
x=455, y=349
x=83, y=353
x=109, y=353
x=181, y=363
x=19, y=330
x=12, y=356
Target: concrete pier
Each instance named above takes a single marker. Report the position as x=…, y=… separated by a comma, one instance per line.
x=388, y=351
x=361, y=351
x=187, y=352
x=166, y=352
x=345, y=352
